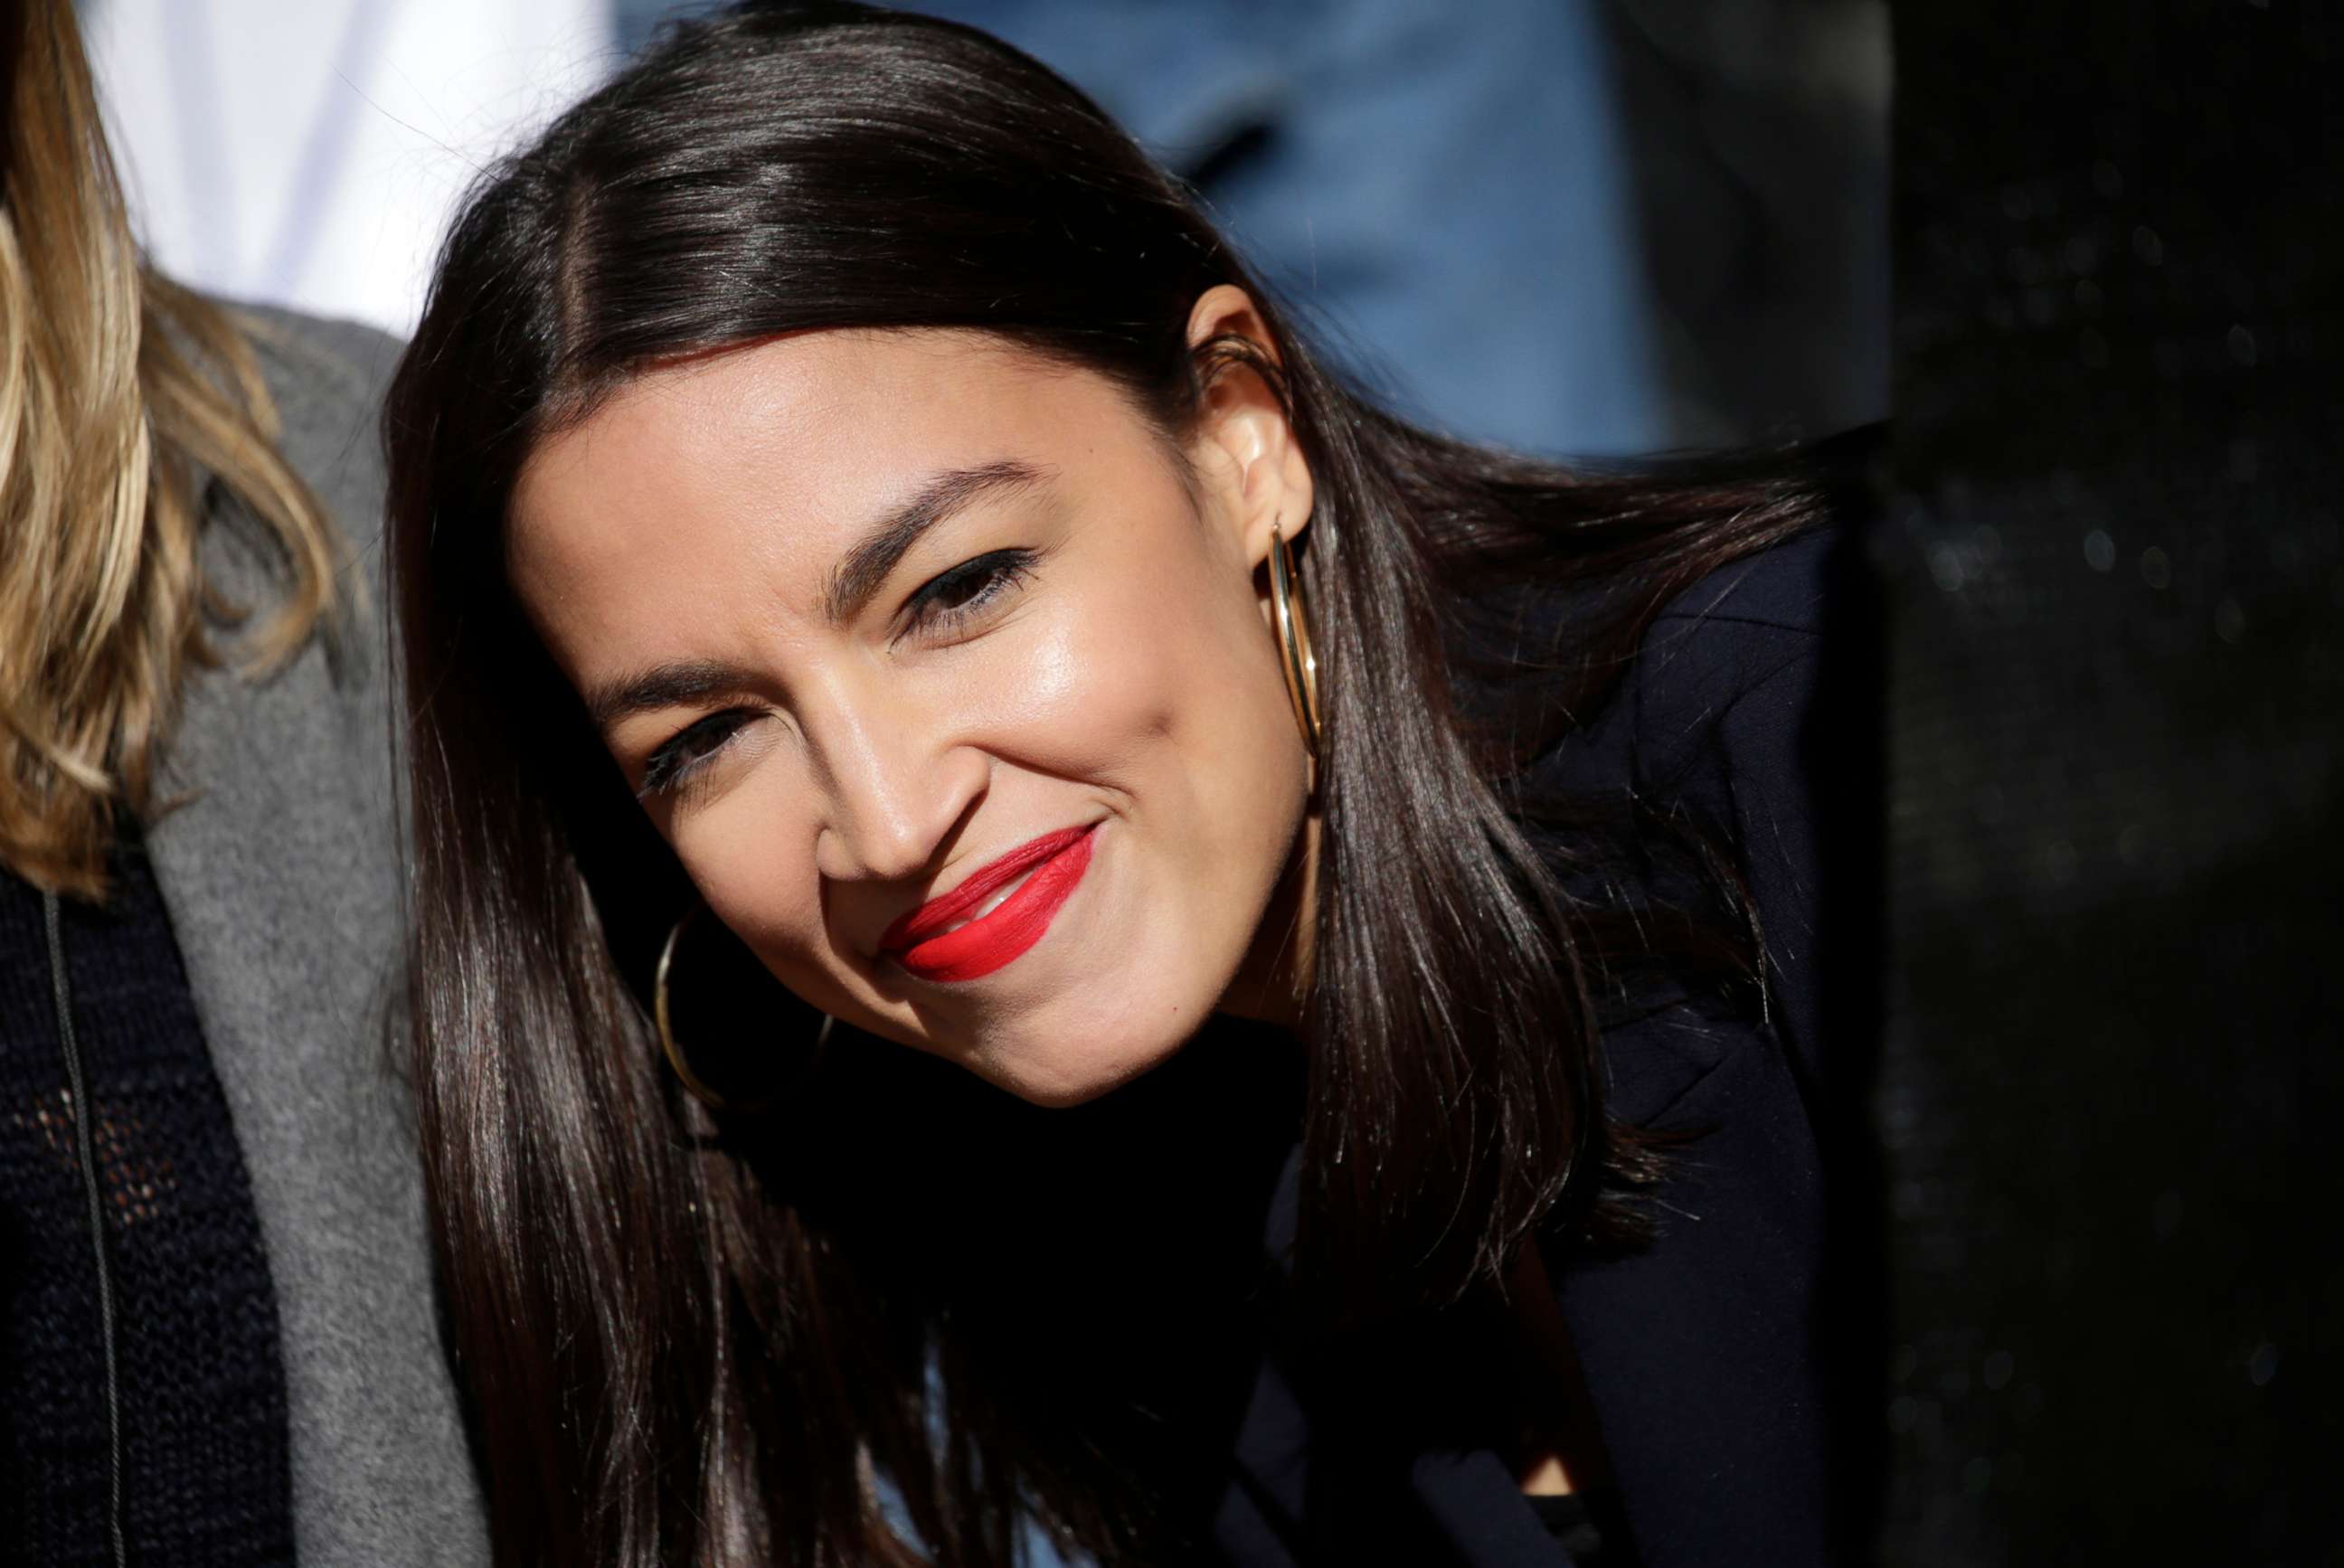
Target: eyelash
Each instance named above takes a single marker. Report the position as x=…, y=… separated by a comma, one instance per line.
x=675, y=762
x=985, y=577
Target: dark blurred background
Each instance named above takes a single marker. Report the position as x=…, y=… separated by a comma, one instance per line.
x=2090, y=1298
x=2115, y=602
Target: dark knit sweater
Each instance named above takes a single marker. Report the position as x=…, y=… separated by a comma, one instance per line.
x=201, y=1387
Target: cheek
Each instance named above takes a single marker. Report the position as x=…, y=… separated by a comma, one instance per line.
x=1162, y=691
x=1148, y=673
x=750, y=856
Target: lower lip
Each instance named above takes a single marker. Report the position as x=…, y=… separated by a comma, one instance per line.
x=1004, y=937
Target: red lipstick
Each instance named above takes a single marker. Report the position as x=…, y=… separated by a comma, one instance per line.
x=930, y=944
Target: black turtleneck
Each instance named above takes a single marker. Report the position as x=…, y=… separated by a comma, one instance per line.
x=197, y=1379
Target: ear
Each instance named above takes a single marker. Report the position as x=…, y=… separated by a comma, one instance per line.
x=1243, y=449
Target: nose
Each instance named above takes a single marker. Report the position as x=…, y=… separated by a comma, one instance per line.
x=895, y=790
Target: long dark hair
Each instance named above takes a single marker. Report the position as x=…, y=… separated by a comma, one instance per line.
x=686, y=1340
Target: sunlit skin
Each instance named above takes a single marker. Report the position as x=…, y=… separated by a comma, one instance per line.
x=1084, y=640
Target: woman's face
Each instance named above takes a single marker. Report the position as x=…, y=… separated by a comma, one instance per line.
x=953, y=693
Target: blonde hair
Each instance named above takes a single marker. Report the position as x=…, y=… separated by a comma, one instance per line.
x=122, y=396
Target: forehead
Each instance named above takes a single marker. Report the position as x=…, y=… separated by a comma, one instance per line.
x=773, y=458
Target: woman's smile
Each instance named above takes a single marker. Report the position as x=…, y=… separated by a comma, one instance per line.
x=997, y=915
x=866, y=619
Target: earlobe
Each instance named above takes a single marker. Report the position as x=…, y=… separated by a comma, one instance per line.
x=1273, y=488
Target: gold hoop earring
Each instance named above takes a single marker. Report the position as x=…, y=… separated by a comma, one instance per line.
x=1295, y=655
x=693, y=1085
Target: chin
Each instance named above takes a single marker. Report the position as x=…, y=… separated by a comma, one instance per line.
x=1129, y=1008
x=1056, y=1073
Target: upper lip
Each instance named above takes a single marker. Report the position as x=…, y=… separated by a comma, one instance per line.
x=940, y=912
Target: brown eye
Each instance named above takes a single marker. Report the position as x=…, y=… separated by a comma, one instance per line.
x=682, y=753
x=952, y=595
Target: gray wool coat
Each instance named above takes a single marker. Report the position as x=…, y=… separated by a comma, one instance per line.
x=280, y=869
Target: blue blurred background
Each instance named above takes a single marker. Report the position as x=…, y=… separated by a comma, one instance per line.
x=1577, y=226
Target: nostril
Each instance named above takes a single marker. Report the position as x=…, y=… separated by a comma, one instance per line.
x=871, y=850
x=891, y=812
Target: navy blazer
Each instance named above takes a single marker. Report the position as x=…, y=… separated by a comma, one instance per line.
x=1699, y=1352
x=1105, y=1264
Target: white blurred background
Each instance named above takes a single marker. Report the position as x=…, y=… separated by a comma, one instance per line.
x=308, y=152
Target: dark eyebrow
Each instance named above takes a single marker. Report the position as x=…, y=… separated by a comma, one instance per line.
x=852, y=583
x=859, y=574
x=667, y=686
